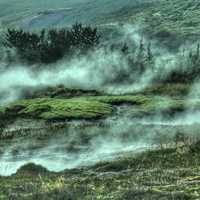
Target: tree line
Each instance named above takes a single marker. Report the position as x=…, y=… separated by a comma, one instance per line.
x=48, y=46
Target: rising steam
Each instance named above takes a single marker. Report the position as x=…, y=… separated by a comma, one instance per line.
x=98, y=70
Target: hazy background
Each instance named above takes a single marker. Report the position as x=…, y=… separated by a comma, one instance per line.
x=27, y=13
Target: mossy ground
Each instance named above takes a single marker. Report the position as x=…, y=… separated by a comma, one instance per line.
x=158, y=99
x=56, y=109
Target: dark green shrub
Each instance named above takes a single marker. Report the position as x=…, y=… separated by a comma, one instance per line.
x=32, y=168
x=50, y=46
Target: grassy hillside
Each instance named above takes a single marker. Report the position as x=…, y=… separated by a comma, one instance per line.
x=31, y=15
x=172, y=22
x=159, y=174
x=174, y=19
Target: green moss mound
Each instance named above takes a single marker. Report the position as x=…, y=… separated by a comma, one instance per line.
x=96, y=107
x=55, y=109
x=32, y=168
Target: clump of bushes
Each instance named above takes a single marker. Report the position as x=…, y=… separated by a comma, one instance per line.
x=48, y=46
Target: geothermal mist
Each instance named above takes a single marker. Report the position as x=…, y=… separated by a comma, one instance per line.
x=82, y=144
x=98, y=70
x=74, y=146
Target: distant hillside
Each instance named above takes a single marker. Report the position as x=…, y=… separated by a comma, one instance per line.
x=34, y=14
x=172, y=22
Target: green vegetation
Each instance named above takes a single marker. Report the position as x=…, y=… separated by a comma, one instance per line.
x=57, y=109
x=59, y=91
x=123, y=99
x=50, y=46
x=157, y=174
x=33, y=169
x=94, y=107
x=171, y=169
x=172, y=22
x=171, y=90
x=165, y=107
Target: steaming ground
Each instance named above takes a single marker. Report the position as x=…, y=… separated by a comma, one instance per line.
x=75, y=147
x=58, y=160
x=82, y=143
x=71, y=148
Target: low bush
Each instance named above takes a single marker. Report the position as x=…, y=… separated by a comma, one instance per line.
x=32, y=168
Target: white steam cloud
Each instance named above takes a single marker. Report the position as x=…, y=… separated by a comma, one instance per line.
x=98, y=70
